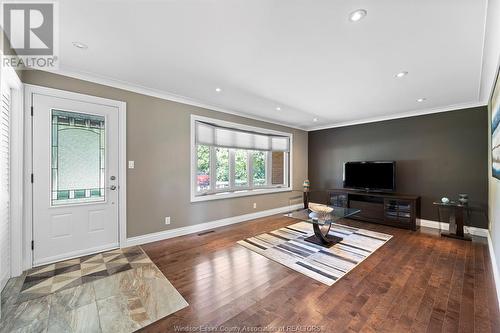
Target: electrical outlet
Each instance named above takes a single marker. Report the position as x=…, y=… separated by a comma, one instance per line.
x=254, y=205
x=131, y=164
x=167, y=220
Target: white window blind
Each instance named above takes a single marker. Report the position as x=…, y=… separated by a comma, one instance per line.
x=4, y=185
x=213, y=135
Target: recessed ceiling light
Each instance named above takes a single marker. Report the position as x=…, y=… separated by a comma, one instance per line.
x=420, y=100
x=401, y=74
x=357, y=15
x=218, y=89
x=278, y=108
x=80, y=45
x=315, y=119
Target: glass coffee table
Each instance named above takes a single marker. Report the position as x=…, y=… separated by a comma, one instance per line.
x=322, y=222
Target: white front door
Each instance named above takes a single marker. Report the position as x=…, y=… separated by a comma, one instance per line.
x=75, y=178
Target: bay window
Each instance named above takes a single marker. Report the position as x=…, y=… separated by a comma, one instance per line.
x=231, y=159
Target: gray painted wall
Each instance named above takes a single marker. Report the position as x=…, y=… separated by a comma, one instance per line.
x=158, y=140
x=436, y=155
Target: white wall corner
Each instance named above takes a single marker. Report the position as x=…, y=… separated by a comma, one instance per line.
x=158, y=236
x=491, y=50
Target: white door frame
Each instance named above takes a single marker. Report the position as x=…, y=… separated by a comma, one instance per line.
x=16, y=166
x=122, y=161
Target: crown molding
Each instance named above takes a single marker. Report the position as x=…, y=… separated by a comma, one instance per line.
x=400, y=115
x=127, y=86
x=139, y=89
x=483, y=44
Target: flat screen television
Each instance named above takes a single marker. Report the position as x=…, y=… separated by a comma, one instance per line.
x=370, y=176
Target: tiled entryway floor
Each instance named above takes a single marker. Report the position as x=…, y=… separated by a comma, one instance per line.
x=114, y=291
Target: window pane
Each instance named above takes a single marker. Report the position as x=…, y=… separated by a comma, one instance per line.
x=259, y=168
x=203, y=168
x=241, y=168
x=278, y=168
x=222, y=155
x=78, y=155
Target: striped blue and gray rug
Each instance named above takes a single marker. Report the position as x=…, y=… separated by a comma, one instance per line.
x=327, y=265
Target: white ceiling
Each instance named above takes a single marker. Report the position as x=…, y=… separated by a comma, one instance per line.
x=304, y=56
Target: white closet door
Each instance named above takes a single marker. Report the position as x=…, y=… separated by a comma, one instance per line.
x=4, y=187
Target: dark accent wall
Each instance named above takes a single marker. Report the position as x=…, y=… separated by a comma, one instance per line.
x=436, y=155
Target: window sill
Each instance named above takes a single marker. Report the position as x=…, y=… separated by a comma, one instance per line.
x=237, y=194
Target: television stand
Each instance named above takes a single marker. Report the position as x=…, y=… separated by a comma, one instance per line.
x=394, y=209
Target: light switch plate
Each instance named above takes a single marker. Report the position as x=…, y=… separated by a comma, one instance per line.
x=167, y=220
x=131, y=164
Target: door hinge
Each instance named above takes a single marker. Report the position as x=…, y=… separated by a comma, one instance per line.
x=32, y=245
x=32, y=111
x=32, y=178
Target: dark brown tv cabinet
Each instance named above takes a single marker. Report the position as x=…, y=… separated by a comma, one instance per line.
x=397, y=210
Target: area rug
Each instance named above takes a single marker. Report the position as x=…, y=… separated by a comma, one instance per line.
x=327, y=265
x=115, y=291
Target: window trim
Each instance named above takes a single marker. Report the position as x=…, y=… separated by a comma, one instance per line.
x=244, y=191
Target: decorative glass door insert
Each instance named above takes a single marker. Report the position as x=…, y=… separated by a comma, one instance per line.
x=78, y=158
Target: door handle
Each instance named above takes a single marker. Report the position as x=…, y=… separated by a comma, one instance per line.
x=112, y=187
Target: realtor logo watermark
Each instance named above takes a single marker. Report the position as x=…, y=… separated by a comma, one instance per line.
x=31, y=39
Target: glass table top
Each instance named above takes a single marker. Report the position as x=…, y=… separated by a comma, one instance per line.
x=322, y=214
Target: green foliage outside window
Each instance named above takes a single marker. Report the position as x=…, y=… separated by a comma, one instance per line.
x=203, y=172
x=222, y=160
x=222, y=167
x=204, y=159
x=259, y=167
x=241, y=168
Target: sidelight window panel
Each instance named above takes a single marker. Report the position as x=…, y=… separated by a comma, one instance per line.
x=240, y=168
x=222, y=161
x=203, y=168
x=259, y=173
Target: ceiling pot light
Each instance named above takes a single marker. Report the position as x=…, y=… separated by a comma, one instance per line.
x=357, y=15
x=315, y=119
x=218, y=89
x=278, y=108
x=80, y=45
x=401, y=74
x=420, y=100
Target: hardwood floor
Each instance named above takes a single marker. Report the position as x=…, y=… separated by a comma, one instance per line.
x=417, y=282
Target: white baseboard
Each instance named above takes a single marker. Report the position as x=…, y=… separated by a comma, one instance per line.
x=157, y=236
x=494, y=266
x=445, y=226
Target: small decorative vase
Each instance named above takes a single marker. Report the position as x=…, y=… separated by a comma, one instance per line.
x=463, y=199
x=307, y=186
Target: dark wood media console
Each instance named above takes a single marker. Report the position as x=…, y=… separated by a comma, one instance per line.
x=398, y=210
